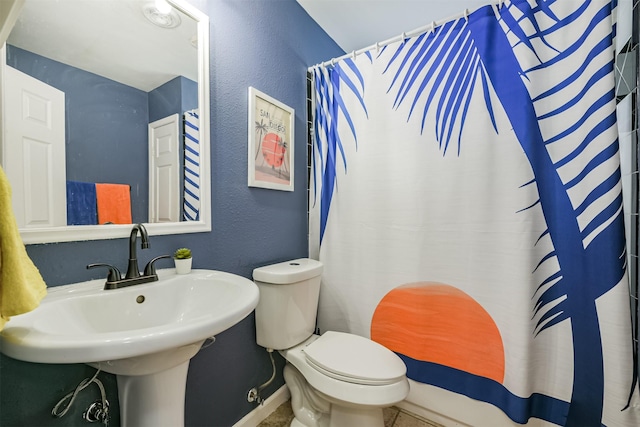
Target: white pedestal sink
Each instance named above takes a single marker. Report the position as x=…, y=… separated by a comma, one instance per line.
x=145, y=334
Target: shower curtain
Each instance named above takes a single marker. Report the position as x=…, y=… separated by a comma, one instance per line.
x=466, y=203
x=191, y=187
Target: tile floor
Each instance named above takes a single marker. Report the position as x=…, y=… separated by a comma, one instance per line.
x=393, y=417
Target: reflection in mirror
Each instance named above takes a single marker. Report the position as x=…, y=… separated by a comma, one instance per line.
x=105, y=118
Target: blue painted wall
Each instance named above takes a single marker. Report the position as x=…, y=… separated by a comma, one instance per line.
x=178, y=95
x=106, y=122
x=264, y=44
x=105, y=125
x=175, y=96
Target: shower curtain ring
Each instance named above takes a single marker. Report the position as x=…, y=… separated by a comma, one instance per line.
x=433, y=27
x=353, y=54
x=466, y=15
x=377, y=47
x=404, y=37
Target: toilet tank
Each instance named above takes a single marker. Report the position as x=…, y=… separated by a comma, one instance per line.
x=288, y=304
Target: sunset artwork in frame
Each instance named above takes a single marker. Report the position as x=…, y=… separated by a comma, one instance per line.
x=270, y=152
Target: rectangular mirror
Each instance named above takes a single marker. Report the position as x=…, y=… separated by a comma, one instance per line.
x=106, y=118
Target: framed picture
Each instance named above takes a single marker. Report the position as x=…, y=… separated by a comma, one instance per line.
x=271, y=145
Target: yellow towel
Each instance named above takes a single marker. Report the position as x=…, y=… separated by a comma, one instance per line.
x=21, y=285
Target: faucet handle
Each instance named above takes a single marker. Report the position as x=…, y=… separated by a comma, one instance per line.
x=114, y=274
x=150, y=268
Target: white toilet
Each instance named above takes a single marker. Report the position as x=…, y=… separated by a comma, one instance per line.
x=336, y=379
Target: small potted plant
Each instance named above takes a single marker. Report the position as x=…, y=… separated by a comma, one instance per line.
x=182, y=258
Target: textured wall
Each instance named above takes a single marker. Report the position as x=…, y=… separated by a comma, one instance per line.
x=267, y=45
x=105, y=126
x=175, y=96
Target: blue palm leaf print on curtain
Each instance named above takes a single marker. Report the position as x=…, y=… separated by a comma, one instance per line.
x=456, y=75
x=330, y=108
x=478, y=51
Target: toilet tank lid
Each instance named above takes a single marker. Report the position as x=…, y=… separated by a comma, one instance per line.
x=288, y=272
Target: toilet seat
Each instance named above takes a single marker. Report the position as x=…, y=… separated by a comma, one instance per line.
x=354, y=359
x=339, y=390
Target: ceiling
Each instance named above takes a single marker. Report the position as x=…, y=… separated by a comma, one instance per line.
x=352, y=24
x=358, y=24
x=111, y=38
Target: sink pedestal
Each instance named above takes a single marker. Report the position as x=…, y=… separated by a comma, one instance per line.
x=153, y=400
x=151, y=388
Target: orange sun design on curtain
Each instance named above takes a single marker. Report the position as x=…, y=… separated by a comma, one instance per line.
x=435, y=322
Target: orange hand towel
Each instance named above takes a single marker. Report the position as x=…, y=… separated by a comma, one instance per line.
x=21, y=285
x=114, y=203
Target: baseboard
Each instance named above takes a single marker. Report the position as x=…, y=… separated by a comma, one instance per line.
x=253, y=418
x=423, y=413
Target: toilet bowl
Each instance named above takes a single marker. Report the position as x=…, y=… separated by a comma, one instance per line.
x=350, y=369
x=342, y=395
x=336, y=379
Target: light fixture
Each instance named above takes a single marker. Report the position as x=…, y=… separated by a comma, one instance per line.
x=163, y=7
x=160, y=13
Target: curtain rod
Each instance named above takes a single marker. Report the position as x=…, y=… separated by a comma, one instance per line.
x=430, y=27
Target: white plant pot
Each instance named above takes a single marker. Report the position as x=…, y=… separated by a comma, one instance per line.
x=183, y=266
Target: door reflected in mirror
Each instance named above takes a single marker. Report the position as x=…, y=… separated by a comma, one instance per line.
x=106, y=118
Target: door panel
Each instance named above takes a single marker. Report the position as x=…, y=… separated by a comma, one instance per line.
x=164, y=170
x=34, y=152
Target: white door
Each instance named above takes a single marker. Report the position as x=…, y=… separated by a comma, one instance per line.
x=34, y=150
x=164, y=170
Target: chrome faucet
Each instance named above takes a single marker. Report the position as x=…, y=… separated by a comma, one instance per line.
x=133, y=276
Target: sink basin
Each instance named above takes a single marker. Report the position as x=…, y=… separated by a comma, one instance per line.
x=82, y=323
x=146, y=334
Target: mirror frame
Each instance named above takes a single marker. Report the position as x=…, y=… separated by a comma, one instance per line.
x=102, y=232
